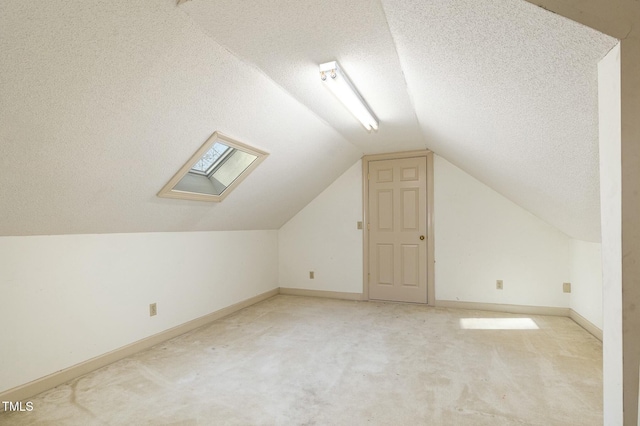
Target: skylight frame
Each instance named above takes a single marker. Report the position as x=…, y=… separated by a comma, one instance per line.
x=169, y=191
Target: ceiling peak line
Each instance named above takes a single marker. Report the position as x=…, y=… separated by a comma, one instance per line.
x=253, y=66
x=404, y=76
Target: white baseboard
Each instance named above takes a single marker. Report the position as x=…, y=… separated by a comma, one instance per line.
x=321, y=293
x=586, y=324
x=497, y=307
x=37, y=386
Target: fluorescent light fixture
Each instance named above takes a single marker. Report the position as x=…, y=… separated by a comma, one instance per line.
x=337, y=81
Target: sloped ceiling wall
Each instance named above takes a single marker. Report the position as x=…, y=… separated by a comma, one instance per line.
x=508, y=92
x=103, y=101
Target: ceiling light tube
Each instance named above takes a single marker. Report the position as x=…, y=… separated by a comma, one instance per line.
x=338, y=82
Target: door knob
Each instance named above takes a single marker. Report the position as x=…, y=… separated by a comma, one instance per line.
x=422, y=237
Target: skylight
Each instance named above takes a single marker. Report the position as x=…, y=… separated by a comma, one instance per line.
x=214, y=170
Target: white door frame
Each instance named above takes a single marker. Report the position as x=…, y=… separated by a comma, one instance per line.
x=431, y=289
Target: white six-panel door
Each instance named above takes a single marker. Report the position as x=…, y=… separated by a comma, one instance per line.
x=398, y=230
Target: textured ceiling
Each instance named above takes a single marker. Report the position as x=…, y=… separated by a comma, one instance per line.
x=103, y=101
x=287, y=41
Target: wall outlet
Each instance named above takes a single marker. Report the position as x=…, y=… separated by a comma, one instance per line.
x=566, y=287
x=499, y=284
x=153, y=309
x=312, y=275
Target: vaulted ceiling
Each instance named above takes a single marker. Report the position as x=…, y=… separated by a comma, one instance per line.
x=102, y=102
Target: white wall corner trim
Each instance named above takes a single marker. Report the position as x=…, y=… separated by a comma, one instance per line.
x=610, y=128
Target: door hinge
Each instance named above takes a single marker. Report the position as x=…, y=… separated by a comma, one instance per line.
x=368, y=226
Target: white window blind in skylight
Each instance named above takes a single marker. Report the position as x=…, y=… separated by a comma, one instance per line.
x=209, y=159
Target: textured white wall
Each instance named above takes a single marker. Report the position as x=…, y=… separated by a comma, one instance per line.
x=323, y=237
x=609, y=105
x=66, y=299
x=585, y=271
x=481, y=237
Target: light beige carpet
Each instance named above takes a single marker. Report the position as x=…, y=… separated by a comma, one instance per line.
x=308, y=361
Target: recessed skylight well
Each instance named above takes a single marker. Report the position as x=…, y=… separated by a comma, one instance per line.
x=214, y=170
